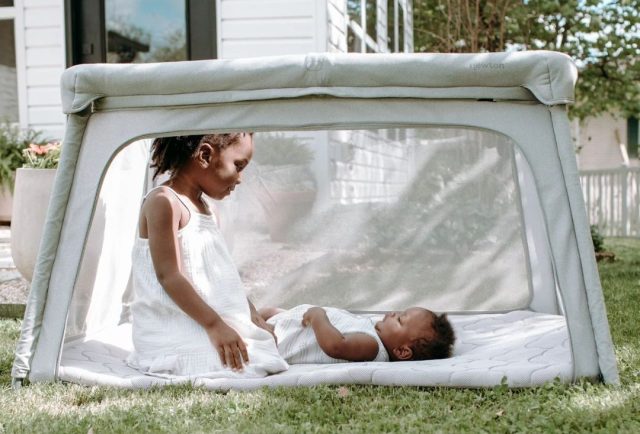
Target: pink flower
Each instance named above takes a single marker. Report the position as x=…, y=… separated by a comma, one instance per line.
x=43, y=149
x=37, y=149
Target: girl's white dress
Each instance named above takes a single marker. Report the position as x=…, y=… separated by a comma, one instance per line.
x=298, y=344
x=166, y=340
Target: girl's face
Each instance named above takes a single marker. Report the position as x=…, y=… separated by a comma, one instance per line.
x=224, y=171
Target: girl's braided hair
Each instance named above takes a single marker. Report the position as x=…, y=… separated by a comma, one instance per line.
x=169, y=154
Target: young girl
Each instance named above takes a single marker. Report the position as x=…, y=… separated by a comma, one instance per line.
x=190, y=313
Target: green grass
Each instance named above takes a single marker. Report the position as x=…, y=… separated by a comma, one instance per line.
x=554, y=407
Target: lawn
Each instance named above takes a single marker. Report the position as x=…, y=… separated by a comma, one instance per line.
x=554, y=407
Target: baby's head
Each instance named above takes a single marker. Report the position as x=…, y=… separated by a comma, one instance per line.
x=416, y=334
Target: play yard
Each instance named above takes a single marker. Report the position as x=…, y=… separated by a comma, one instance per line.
x=554, y=407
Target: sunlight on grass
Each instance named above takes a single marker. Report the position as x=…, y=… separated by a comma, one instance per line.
x=67, y=400
x=605, y=399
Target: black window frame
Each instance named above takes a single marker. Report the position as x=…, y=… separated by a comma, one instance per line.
x=86, y=35
x=633, y=136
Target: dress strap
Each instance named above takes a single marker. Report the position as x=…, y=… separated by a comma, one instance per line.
x=192, y=210
x=175, y=193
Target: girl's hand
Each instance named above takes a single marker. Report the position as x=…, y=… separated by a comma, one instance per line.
x=230, y=346
x=312, y=314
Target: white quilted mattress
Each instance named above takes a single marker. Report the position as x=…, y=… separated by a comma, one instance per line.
x=524, y=348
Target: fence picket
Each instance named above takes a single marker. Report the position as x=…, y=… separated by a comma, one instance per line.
x=612, y=198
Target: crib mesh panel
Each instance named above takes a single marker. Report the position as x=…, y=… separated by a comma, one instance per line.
x=381, y=219
x=364, y=219
x=100, y=298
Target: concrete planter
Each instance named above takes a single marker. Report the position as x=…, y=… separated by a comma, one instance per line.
x=30, y=201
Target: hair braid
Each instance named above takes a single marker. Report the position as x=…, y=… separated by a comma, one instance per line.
x=170, y=154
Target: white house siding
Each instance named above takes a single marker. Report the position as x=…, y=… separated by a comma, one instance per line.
x=358, y=171
x=598, y=140
x=336, y=26
x=44, y=62
x=367, y=166
x=249, y=28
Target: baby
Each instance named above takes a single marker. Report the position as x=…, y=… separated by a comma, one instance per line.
x=311, y=334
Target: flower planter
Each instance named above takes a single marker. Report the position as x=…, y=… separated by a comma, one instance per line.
x=30, y=202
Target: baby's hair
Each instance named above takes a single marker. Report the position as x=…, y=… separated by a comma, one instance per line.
x=169, y=154
x=439, y=344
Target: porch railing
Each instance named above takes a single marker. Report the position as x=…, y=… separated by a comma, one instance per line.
x=612, y=198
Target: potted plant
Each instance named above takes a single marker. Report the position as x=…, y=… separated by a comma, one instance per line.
x=286, y=187
x=33, y=185
x=12, y=141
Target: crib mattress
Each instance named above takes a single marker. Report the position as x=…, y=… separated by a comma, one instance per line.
x=521, y=348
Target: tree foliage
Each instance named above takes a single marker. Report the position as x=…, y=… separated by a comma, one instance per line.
x=602, y=36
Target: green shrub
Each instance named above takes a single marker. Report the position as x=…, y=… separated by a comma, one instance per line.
x=12, y=141
x=598, y=239
x=279, y=150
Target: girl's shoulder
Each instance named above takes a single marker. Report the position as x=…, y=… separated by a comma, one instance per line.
x=164, y=201
x=161, y=196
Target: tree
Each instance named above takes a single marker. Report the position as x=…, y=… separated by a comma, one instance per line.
x=602, y=36
x=173, y=48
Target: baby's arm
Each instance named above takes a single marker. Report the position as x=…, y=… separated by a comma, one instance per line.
x=355, y=347
x=258, y=320
x=162, y=216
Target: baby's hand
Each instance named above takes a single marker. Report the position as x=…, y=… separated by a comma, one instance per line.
x=311, y=314
x=230, y=346
x=260, y=322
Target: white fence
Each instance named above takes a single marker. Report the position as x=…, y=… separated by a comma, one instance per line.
x=612, y=197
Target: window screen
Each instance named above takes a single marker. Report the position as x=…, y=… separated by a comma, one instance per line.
x=381, y=219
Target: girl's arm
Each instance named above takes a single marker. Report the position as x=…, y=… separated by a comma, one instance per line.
x=162, y=214
x=355, y=347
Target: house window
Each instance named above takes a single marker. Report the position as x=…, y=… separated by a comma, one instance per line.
x=134, y=35
x=370, y=25
x=360, y=12
x=140, y=31
x=400, y=45
x=8, y=73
